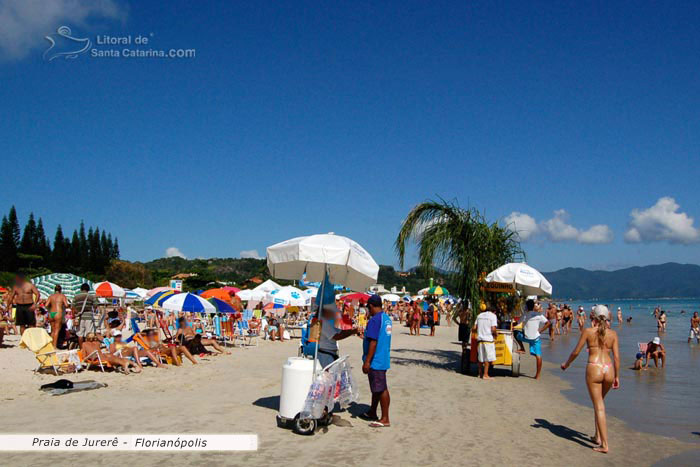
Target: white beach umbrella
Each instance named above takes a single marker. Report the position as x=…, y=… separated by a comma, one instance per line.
x=286, y=296
x=345, y=260
x=523, y=277
x=391, y=297
x=140, y=291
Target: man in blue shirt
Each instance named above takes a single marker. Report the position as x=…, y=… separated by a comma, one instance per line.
x=375, y=356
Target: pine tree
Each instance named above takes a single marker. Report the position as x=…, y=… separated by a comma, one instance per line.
x=59, y=257
x=44, y=245
x=28, y=245
x=14, y=226
x=83, y=250
x=104, y=251
x=74, y=253
x=8, y=247
x=115, y=250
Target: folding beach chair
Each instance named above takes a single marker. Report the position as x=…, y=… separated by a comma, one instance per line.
x=59, y=361
x=244, y=332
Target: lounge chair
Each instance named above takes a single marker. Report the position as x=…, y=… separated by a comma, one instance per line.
x=245, y=333
x=59, y=361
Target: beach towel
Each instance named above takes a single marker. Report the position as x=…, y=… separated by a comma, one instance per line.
x=64, y=386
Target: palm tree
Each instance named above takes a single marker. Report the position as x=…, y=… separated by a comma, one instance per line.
x=460, y=241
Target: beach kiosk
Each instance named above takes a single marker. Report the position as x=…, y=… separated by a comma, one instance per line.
x=511, y=279
x=329, y=259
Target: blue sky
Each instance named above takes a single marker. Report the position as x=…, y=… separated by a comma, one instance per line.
x=577, y=121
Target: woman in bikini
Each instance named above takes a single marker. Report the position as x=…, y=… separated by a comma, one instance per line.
x=602, y=373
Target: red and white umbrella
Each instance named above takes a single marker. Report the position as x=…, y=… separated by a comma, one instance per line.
x=109, y=290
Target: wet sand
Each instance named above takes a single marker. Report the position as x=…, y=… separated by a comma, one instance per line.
x=438, y=415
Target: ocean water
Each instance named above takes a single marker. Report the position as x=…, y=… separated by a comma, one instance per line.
x=663, y=401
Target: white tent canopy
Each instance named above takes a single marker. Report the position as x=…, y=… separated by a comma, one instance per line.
x=523, y=277
x=267, y=287
x=345, y=260
x=251, y=295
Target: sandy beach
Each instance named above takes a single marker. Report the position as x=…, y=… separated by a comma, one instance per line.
x=438, y=415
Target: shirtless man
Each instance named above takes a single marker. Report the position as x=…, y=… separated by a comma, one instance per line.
x=551, y=315
x=56, y=304
x=25, y=296
x=694, y=328
x=188, y=334
x=568, y=318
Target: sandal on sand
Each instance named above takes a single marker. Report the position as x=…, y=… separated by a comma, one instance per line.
x=365, y=416
x=378, y=424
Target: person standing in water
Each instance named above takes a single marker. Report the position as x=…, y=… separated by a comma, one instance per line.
x=602, y=373
x=694, y=328
x=619, y=316
x=56, y=304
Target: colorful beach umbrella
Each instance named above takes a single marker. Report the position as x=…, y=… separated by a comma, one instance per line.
x=221, y=294
x=437, y=290
x=221, y=306
x=109, y=290
x=360, y=297
x=152, y=292
x=231, y=289
x=158, y=298
x=187, y=302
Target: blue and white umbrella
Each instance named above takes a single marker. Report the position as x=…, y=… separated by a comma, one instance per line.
x=187, y=302
x=287, y=296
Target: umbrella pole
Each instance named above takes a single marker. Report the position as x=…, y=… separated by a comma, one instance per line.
x=319, y=315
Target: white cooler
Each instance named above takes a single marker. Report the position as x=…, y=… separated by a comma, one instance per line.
x=297, y=375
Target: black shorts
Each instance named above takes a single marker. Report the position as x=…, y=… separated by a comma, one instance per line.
x=24, y=316
x=377, y=380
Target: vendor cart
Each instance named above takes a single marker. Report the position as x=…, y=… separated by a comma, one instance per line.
x=309, y=392
x=506, y=354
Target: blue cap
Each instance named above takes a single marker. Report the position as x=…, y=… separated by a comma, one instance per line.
x=375, y=300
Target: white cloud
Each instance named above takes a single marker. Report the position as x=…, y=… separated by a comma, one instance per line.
x=25, y=23
x=250, y=254
x=523, y=224
x=662, y=222
x=174, y=252
x=597, y=234
x=557, y=229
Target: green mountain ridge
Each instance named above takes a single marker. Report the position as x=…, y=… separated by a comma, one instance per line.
x=637, y=282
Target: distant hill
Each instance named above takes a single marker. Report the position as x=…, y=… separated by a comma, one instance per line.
x=237, y=270
x=661, y=280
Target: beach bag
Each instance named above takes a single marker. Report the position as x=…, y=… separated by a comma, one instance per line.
x=315, y=330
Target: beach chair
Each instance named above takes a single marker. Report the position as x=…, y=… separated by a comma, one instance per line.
x=59, y=361
x=93, y=359
x=164, y=358
x=245, y=333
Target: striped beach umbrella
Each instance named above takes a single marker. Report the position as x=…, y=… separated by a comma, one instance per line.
x=70, y=284
x=221, y=306
x=158, y=298
x=109, y=290
x=187, y=302
x=152, y=292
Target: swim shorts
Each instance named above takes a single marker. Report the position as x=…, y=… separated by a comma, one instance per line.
x=487, y=352
x=535, y=344
x=24, y=316
x=377, y=380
